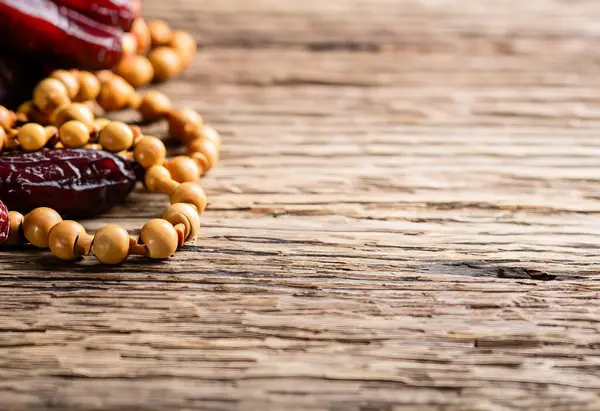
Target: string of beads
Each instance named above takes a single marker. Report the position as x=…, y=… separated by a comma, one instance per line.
x=61, y=114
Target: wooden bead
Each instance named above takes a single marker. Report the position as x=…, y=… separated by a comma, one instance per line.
x=140, y=31
x=154, y=175
x=190, y=193
x=128, y=45
x=183, y=169
x=7, y=118
x=74, y=111
x=154, y=105
x=70, y=81
x=63, y=239
x=186, y=214
x=26, y=108
x=50, y=94
x=134, y=101
x=116, y=136
x=160, y=33
x=150, y=151
x=40, y=117
x=208, y=148
x=11, y=142
x=166, y=63
x=201, y=160
x=201, y=132
x=136, y=70
x=2, y=138
x=74, y=134
x=15, y=234
x=185, y=45
x=115, y=94
x=160, y=238
x=37, y=225
x=104, y=76
x=33, y=137
x=111, y=244
x=89, y=86
x=168, y=186
x=100, y=123
x=182, y=118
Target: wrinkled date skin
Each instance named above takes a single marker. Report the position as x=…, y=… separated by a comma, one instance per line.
x=74, y=182
x=4, y=223
x=51, y=34
x=82, y=33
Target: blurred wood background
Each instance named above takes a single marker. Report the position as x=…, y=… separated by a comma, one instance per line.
x=406, y=217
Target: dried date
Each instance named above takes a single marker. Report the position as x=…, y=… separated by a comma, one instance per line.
x=74, y=182
x=81, y=33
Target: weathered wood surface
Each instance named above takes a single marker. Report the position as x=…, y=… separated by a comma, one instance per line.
x=406, y=217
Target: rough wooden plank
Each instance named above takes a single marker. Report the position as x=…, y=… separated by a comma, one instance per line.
x=405, y=218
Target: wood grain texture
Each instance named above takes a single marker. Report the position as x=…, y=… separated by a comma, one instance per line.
x=406, y=217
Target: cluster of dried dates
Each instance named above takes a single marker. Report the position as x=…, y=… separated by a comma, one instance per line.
x=38, y=36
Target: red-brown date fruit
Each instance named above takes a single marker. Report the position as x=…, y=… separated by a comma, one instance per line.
x=109, y=12
x=80, y=33
x=74, y=182
x=4, y=223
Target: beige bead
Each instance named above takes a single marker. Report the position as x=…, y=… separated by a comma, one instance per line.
x=190, y=193
x=149, y=151
x=141, y=32
x=154, y=175
x=104, y=76
x=15, y=235
x=137, y=133
x=166, y=63
x=154, y=105
x=63, y=240
x=70, y=81
x=181, y=119
x=116, y=136
x=136, y=70
x=37, y=225
x=128, y=45
x=26, y=107
x=208, y=148
x=33, y=137
x=49, y=94
x=74, y=111
x=7, y=118
x=74, y=134
x=89, y=86
x=10, y=140
x=201, y=160
x=185, y=45
x=100, y=123
x=38, y=116
x=160, y=238
x=134, y=101
x=111, y=244
x=160, y=33
x=201, y=132
x=183, y=169
x=186, y=214
x=115, y=94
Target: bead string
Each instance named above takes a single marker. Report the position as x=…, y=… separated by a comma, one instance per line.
x=62, y=114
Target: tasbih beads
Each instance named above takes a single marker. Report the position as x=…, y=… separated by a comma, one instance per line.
x=61, y=114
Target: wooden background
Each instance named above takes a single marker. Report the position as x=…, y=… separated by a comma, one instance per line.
x=406, y=217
